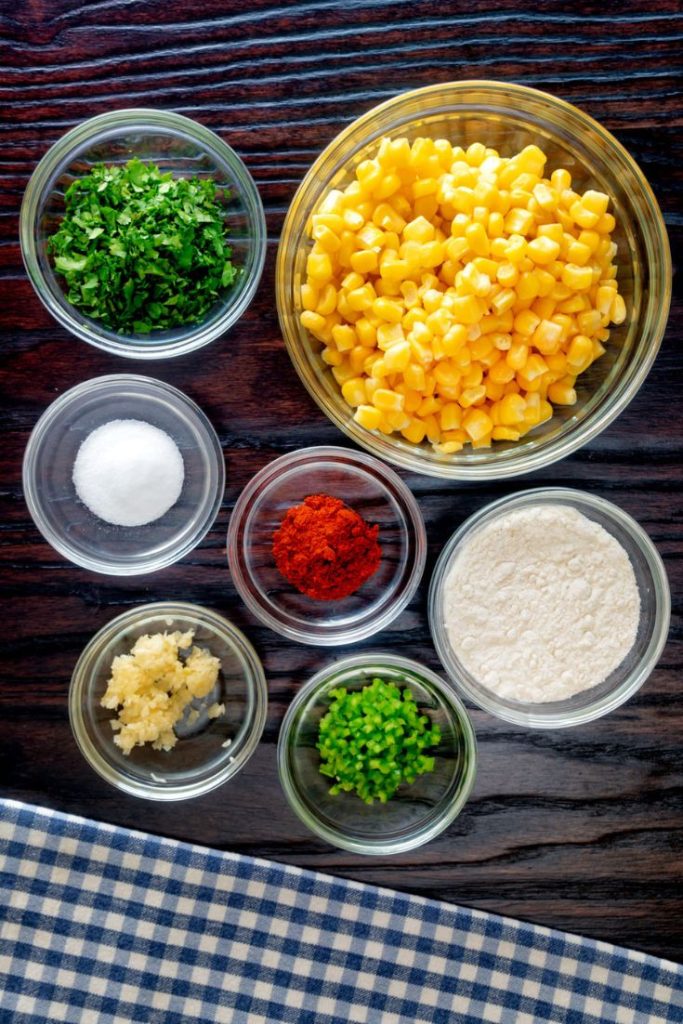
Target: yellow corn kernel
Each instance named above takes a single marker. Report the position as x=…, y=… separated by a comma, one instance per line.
x=328, y=241
x=397, y=420
x=504, y=300
x=496, y=225
x=415, y=431
x=368, y=416
x=327, y=300
x=477, y=239
x=589, y=321
x=447, y=373
x=519, y=222
x=385, y=216
x=583, y=216
x=342, y=373
x=562, y=393
x=388, y=310
x=414, y=376
x=604, y=300
x=309, y=296
x=596, y=202
x=387, y=400
x=535, y=367
x=466, y=309
x=419, y=230
x=618, y=311
x=364, y=261
x=440, y=321
x=576, y=303
x=397, y=357
x=577, y=278
x=560, y=179
x=432, y=428
x=606, y=224
x=356, y=358
x=526, y=322
x=548, y=336
x=360, y=299
x=366, y=332
x=511, y=410
x=505, y=434
x=319, y=268
x=543, y=250
x=578, y=253
x=332, y=357
x=448, y=447
x=450, y=416
x=413, y=400
x=477, y=423
x=344, y=337
x=388, y=335
x=454, y=339
x=313, y=322
x=353, y=391
x=429, y=405
x=527, y=286
x=471, y=395
x=557, y=364
x=517, y=356
x=579, y=353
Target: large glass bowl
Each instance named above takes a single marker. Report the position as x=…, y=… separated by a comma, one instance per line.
x=416, y=813
x=209, y=751
x=507, y=117
x=177, y=144
x=652, y=630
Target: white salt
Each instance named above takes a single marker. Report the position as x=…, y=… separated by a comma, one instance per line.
x=128, y=472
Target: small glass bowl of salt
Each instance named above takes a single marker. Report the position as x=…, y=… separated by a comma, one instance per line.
x=123, y=475
x=549, y=608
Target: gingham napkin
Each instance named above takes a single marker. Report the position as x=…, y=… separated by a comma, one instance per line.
x=100, y=925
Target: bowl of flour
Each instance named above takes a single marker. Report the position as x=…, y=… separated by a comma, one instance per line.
x=549, y=608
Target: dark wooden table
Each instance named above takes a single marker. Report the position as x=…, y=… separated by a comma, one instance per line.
x=580, y=829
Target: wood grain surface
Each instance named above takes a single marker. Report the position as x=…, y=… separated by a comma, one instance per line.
x=579, y=829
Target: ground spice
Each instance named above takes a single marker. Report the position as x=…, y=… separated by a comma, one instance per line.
x=325, y=549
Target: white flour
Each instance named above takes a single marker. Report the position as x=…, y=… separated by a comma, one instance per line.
x=541, y=604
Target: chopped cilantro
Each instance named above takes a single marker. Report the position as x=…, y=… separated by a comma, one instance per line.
x=140, y=250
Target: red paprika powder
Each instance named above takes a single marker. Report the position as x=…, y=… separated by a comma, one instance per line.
x=325, y=549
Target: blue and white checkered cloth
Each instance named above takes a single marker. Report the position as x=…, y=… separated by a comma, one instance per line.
x=99, y=925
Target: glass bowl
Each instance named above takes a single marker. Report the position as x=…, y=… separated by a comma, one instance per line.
x=416, y=813
x=365, y=485
x=177, y=144
x=652, y=631
x=209, y=751
x=507, y=117
x=70, y=527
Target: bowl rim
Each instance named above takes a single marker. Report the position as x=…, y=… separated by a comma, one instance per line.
x=534, y=458
x=78, y=688
x=43, y=426
x=540, y=716
x=367, y=660
x=194, y=336
x=367, y=626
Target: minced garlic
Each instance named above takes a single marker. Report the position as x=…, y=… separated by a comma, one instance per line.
x=152, y=687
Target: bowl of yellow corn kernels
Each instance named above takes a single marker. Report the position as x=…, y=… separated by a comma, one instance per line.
x=473, y=279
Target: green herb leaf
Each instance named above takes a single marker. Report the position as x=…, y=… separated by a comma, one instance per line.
x=140, y=250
